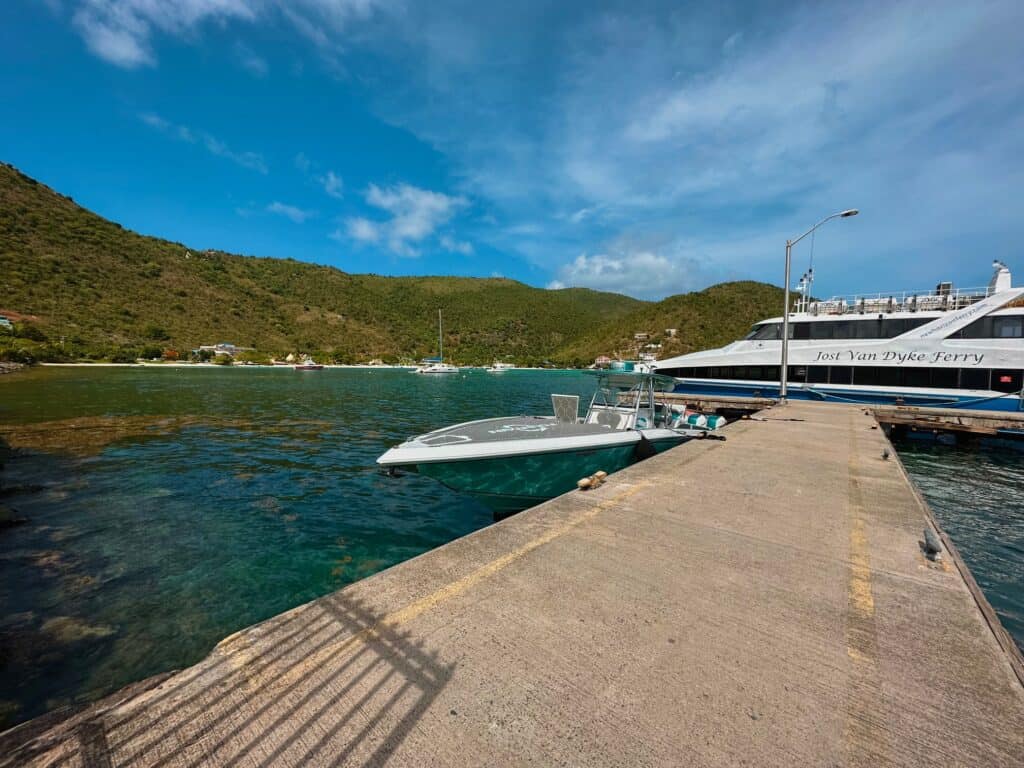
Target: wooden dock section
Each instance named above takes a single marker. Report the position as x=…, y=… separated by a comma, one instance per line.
x=761, y=600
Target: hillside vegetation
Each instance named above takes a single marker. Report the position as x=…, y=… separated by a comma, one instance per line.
x=703, y=319
x=86, y=288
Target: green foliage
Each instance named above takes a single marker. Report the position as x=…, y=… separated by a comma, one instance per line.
x=703, y=319
x=155, y=332
x=29, y=331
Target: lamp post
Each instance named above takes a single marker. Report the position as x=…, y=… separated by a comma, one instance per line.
x=784, y=372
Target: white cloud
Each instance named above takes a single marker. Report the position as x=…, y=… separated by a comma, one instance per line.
x=302, y=162
x=252, y=62
x=415, y=215
x=251, y=160
x=452, y=245
x=120, y=31
x=363, y=230
x=297, y=215
x=641, y=273
x=332, y=184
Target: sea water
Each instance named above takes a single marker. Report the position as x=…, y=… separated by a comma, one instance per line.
x=166, y=508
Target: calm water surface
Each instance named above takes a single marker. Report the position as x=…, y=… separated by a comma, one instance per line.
x=978, y=498
x=168, y=508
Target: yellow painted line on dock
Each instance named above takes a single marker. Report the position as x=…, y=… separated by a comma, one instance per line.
x=418, y=607
x=865, y=742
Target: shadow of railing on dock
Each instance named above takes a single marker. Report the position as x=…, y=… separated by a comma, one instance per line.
x=333, y=683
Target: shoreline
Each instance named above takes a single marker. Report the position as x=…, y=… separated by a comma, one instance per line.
x=356, y=366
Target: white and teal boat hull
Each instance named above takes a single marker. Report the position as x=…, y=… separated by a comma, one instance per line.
x=513, y=463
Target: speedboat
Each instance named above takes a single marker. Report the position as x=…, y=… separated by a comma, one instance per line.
x=308, y=364
x=943, y=348
x=499, y=367
x=513, y=462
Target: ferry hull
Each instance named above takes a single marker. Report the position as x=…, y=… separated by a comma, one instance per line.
x=824, y=393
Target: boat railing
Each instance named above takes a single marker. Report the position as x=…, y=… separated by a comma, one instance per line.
x=942, y=299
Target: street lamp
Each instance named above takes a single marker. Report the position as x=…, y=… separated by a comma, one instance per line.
x=784, y=373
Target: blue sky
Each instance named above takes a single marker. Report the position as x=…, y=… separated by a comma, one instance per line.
x=647, y=148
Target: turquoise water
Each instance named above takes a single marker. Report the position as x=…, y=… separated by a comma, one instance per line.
x=167, y=508
x=178, y=506
x=978, y=498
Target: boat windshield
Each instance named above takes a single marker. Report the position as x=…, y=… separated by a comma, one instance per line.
x=625, y=400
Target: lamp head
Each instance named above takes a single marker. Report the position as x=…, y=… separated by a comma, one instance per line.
x=850, y=212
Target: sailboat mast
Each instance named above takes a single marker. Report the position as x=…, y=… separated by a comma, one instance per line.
x=440, y=340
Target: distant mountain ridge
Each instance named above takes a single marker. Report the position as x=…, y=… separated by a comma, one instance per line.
x=101, y=291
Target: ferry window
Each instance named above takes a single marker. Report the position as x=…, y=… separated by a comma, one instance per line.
x=797, y=373
x=822, y=330
x=767, y=332
x=1007, y=327
x=841, y=374
x=974, y=378
x=865, y=375
x=868, y=329
x=800, y=331
x=842, y=329
x=916, y=377
x=979, y=329
x=944, y=378
x=1006, y=380
x=892, y=327
x=817, y=374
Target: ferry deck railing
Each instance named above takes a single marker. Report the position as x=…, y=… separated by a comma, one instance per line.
x=945, y=299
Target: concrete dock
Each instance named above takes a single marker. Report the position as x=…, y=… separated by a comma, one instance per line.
x=761, y=600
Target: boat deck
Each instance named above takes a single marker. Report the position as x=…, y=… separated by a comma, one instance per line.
x=762, y=600
x=508, y=428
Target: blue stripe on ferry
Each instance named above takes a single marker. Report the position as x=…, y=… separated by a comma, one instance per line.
x=859, y=397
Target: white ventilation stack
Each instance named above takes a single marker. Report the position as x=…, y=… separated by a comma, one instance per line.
x=1001, y=280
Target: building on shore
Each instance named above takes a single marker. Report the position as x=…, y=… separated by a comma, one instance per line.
x=221, y=348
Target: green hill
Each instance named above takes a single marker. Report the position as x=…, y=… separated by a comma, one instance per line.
x=110, y=292
x=703, y=319
x=90, y=289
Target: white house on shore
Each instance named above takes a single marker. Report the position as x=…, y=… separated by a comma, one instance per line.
x=222, y=348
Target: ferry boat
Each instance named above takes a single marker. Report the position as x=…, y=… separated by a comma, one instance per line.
x=944, y=348
x=513, y=462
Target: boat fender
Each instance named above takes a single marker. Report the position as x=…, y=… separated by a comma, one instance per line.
x=644, y=449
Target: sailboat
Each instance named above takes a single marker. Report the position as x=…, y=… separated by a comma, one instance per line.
x=438, y=365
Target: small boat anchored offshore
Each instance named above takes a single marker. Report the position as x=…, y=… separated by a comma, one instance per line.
x=499, y=367
x=513, y=462
x=308, y=364
x=437, y=364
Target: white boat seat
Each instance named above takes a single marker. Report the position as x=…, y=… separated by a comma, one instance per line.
x=611, y=417
x=567, y=408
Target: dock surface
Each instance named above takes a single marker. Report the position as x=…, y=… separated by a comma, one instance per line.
x=761, y=600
